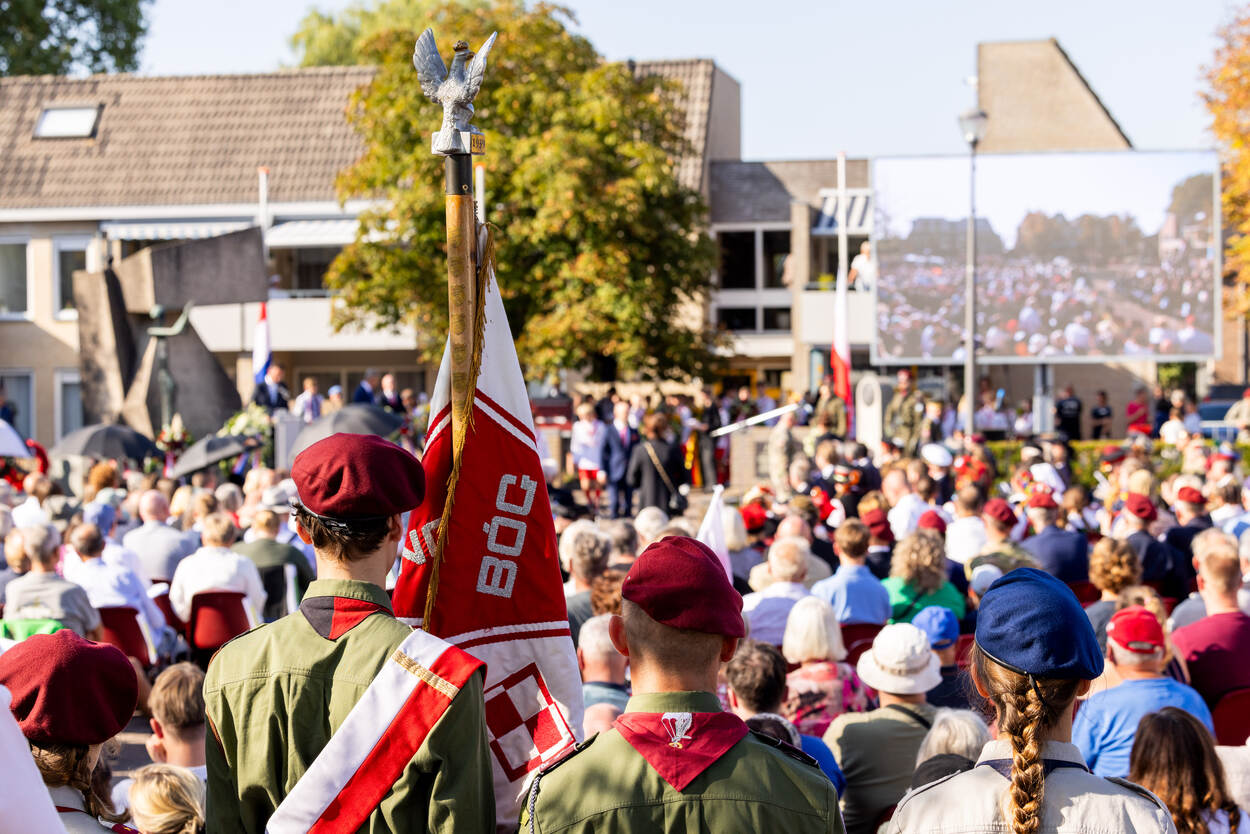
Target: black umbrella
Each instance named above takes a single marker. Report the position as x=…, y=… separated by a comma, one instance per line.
x=106, y=441
x=206, y=451
x=350, y=419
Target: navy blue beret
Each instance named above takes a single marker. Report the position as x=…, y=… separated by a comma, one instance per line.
x=1033, y=624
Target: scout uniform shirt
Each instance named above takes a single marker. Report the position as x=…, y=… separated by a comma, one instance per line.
x=729, y=778
x=275, y=695
x=1075, y=801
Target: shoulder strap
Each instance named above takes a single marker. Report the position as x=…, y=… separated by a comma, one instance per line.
x=789, y=749
x=907, y=612
x=655, y=461
x=1138, y=789
x=914, y=716
x=531, y=802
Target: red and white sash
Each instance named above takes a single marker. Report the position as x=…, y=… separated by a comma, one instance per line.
x=359, y=765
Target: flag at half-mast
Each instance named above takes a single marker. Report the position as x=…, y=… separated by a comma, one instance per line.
x=499, y=595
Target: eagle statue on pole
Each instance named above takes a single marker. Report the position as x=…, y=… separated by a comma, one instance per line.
x=455, y=90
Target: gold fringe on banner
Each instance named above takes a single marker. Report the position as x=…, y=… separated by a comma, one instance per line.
x=486, y=264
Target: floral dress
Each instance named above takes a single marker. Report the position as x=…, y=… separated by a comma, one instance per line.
x=819, y=692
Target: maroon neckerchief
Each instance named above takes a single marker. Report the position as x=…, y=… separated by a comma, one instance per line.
x=120, y=828
x=681, y=745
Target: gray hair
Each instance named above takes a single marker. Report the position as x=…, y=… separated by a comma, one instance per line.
x=590, y=554
x=649, y=522
x=623, y=535
x=957, y=731
x=6, y=520
x=566, y=545
x=1121, y=656
x=39, y=543
x=1041, y=516
x=787, y=559
x=594, y=639
x=229, y=497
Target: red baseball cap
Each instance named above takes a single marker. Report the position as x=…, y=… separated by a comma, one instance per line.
x=357, y=476
x=1140, y=506
x=1136, y=629
x=1190, y=495
x=999, y=510
x=680, y=583
x=67, y=690
x=931, y=520
x=1042, y=498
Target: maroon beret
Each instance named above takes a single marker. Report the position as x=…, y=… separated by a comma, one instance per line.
x=357, y=476
x=1000, y=510
x=1190, y=495
x=1140, y=506
x=878, y=524
x=1042, y=498
x=67, y=690
x=680, y=583
x=931, y=520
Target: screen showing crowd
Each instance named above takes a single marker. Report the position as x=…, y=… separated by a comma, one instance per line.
x=1078, y=255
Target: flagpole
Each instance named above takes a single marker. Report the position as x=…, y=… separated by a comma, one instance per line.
x=461, y=301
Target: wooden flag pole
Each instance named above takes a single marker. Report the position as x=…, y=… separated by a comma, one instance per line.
x=461, y=291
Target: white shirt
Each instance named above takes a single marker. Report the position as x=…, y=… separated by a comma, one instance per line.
x=905, y=514
x=109, y=586
x=964, y=538
x=216, y=569
x=114, y=554
x=865, y=272
x=768, y=610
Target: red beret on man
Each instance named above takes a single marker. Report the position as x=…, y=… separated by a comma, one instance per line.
x=1140, y=506
x=1043, y=499
x=1000, y=511
x=1190, y=495
x=931, y=520
x=357, y=476
x=878, y=524
x=680, y=583
x=67, y=690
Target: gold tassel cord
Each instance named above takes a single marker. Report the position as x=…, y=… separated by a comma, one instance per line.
x=485, y=262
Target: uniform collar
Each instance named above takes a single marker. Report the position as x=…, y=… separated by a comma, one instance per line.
x=674, y=702
x=351, y=589
x=66, y=797
x=1053, y=750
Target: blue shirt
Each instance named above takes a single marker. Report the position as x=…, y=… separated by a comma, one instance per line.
x=820, y=751
x=1106, y=724
x=857, y=596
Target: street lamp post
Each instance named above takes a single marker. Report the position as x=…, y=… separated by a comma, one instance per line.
x=972, y=123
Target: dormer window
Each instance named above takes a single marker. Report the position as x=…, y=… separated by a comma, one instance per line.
x=77, y=122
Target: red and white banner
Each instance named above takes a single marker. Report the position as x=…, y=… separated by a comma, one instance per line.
x=376, y=742
x=499, y=594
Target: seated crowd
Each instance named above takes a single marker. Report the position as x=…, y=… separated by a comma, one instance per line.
x=950, y=655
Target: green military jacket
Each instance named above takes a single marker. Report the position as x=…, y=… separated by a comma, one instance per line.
x=903, y=419
x=606, y=786
x=275, y=695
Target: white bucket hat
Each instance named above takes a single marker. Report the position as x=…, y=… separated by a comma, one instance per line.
x=900, y=662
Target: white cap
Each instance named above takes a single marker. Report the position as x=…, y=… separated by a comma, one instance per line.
x=900, y=662
x=983, y=576
x=935, y=454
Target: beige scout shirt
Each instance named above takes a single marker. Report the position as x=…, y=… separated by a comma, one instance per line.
x=1075, y=802
x=877, y=753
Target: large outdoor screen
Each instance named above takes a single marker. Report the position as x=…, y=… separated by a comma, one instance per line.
x=1080, y=257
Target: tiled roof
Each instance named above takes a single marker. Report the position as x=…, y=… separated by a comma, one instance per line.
x=180, y=140
x=752, y=192
x=695, y=76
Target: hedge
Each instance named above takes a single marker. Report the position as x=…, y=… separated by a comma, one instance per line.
x=1085, y=453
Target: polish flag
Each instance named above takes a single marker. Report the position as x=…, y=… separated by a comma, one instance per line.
x=499, y=595
x=840, y=355
x=262, y=356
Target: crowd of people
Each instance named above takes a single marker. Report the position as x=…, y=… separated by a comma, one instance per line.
x=889, y=641
x=374, y=388
x=1053, y=309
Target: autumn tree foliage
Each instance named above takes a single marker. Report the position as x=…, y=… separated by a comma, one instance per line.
x=1228, y=101
x=601, y=251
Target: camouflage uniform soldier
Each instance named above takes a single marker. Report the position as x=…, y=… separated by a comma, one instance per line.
x=675, y=761
x=904, y=416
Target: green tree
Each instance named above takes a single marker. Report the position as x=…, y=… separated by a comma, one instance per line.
x=1191, y=197
x=55, y=37
x=601, y=252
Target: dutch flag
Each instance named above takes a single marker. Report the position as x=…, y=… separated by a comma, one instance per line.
x=262, y=356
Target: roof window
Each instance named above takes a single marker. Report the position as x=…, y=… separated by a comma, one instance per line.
x=67, y=122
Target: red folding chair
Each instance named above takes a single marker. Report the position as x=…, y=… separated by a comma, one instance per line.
x=172, y=619
x=1086, y=592
x=122, y=628
x=1232, y=718
x=216, y=618
x=963, y=649
x=858, y=639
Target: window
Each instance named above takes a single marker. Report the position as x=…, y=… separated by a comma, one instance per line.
x=776, y=318
x=13, y=281
x=737, y=260
x=67, y=122
x=736, y=318
x=310, y=270
x=17, y=406
x=71, y=254
x=776, y=250
x=69, y=411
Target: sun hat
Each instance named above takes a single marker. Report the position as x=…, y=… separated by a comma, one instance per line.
x=900, y=662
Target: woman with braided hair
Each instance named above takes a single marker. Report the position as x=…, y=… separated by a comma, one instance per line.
x=1035, y=654
x=1174, y=756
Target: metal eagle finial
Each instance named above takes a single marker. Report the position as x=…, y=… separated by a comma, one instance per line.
x=454, y=90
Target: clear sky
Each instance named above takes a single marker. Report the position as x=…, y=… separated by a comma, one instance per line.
x=818, y=76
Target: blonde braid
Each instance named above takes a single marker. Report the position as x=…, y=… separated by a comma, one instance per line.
x=1021, y=723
